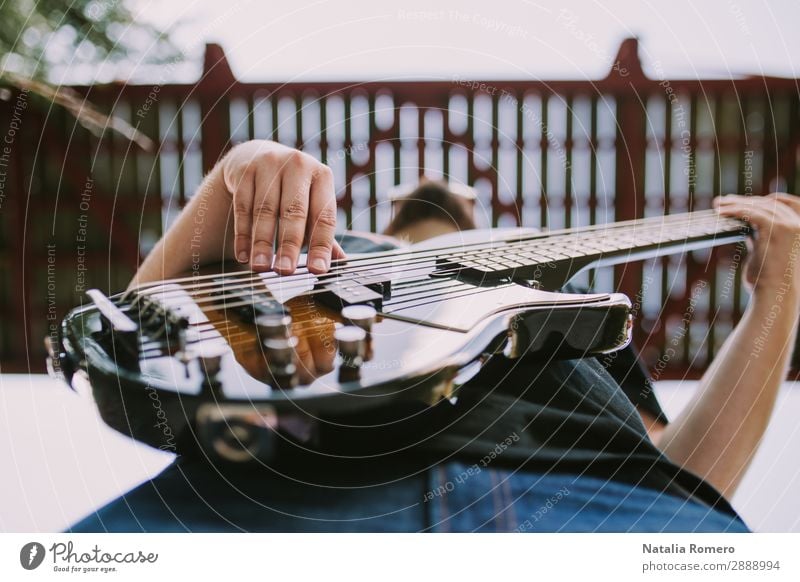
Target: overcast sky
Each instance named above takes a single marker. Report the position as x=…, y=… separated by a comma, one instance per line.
x=327, y=39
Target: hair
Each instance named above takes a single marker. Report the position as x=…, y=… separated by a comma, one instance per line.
x=431, y=201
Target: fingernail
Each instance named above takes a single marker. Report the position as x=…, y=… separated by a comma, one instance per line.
x=284, y=263
x=260, y=260
x=242, y=256
x=319, y=264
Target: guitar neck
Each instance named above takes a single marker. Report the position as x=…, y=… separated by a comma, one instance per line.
x=655, y=236
x=553, y=258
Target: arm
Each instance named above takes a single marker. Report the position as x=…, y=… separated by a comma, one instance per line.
x=719, y=431
x=274, y=194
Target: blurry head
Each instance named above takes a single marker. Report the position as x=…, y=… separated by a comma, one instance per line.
x=431, y=209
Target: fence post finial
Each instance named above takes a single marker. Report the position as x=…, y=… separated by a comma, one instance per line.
x=627, y=63
x=216, y=69
x=213, y=90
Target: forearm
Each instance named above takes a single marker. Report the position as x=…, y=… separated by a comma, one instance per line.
x=719, y=431
x=201, y=234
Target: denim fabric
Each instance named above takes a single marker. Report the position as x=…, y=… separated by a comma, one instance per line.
x=193, y=495
x=475, y=499
x=451, y=497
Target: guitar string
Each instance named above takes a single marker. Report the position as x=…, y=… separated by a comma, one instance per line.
x=340, y=265
x=210, y=327
x=222, y=302
x=248, y=301
x=311, y=308
x=208, y=330
x=409, y=297
x=237, y=300
x=230, y=338
x=242, y=300
x=242, y=284
x=211, y=332
x=232, y=284
x=378, y=258
x=228, y=298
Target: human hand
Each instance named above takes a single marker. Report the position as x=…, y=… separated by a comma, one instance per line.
x=275, y=189
x=773, y=263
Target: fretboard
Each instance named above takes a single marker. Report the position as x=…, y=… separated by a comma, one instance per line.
x=552, y=258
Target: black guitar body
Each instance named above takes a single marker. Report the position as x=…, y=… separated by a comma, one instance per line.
x=233, y=361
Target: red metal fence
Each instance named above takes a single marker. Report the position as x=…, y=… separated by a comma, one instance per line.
x=77, y=210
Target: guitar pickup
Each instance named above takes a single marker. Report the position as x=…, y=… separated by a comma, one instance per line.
x=351, y=293
x=377, y=281
x=368, y=286
x=249, y=305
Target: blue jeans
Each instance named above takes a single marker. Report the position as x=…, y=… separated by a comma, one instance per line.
x=450, y=497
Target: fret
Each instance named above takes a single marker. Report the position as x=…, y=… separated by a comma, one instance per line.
x=553, y=258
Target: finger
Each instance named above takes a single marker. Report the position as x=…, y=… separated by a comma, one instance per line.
x=735, y=199
x=295, y=186
x=790, y=200
x=266, y=206
x=746, y=202
x=722, y=199
x=321, y=343
x=769, y=201
x=338, y=251
x=306, y=367
x=321, y=221
x=243, y=193
x=762, y=218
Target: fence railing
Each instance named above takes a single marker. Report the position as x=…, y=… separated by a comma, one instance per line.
x=540, y=153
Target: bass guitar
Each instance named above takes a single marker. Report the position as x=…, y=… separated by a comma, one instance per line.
x=234, y=358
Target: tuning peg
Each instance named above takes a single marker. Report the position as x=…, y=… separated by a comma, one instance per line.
x=210, y=360
x=211, y=364
x=362, y=316
x=274, y=326
x=280, y=354
x=178, y=331
x=351, y=342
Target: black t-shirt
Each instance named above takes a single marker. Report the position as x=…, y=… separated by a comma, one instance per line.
x=569, y=416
